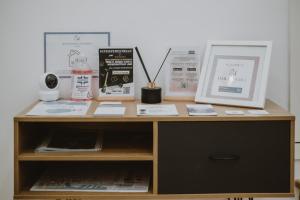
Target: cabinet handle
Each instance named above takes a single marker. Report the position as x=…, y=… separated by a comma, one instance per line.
x=224, y=157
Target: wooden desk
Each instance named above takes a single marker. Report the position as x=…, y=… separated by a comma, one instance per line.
x=188, y=157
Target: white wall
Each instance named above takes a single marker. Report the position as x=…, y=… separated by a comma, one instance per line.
x=295, y=71
x=153, y=25
x=295, y=62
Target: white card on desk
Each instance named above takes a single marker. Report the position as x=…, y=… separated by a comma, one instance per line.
x=234, y=112
x=110, y=110
x=258, y=112
x=156, y=110
x=200, y=109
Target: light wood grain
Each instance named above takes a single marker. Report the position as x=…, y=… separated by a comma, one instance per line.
x=276, y=113
x=155, y=160
x=16, y=153
x=105, y=155
x=292, y=154
x=115, y=98
x=149, y=195
x=178, y=98
x=297, y=183
x=132, y=153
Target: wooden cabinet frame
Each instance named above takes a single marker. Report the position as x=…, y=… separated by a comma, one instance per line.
x=32, y=160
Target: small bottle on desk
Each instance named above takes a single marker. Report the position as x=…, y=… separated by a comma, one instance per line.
x=81, y=79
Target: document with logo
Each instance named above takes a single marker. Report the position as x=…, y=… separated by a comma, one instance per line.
x=157, y=110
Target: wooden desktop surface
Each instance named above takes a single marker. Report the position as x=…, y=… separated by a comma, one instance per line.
x=275, y=113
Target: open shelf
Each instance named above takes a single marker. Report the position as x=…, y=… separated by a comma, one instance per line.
x=85, y=194
x=118, y=143
x=36, y=169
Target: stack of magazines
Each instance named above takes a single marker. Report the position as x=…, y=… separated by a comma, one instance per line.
x=92, y=180
x=84, y=141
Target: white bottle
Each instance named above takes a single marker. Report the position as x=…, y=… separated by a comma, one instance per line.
x=81, y=79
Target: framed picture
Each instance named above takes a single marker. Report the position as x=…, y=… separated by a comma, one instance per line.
x=61, y=50
x=182, y=73
x=235, y=73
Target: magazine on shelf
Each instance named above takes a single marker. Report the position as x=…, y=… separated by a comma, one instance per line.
x=72, y=142
x=92, y=180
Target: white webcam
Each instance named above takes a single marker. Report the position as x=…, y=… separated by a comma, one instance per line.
x=49, y=84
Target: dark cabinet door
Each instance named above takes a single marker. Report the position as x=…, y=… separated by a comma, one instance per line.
x=224, y=157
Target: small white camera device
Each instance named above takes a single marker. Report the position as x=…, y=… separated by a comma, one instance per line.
x=49, y=83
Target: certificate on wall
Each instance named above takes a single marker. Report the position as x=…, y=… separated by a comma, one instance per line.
x=182, y=74
x=235, y=73
x=62, y=49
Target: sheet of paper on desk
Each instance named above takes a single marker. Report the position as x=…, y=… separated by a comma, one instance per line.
x=200, y=109
x=60, y=108
x=258, y=112
x=234, y=112
x=157, y=110
x=110, y=109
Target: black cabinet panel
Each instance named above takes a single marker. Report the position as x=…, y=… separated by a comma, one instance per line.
x=224, y=157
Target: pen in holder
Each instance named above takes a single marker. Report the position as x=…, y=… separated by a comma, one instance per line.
x=151, y=93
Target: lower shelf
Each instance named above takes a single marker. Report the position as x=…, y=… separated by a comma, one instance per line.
x=81, y=195
x=127, y=196
x=75, y=180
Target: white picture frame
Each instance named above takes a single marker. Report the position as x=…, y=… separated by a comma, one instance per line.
x=59, y=47
x=235, y=73
x=182, y=73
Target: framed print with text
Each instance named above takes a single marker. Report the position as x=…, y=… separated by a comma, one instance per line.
x=235, y=73
x=182, y=73
x=61, y=50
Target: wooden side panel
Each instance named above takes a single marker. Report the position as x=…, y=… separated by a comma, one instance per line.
x=16, y=162
x=292, y=153
x=155, y=157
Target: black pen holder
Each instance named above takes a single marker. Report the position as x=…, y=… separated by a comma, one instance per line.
x=151, y=95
